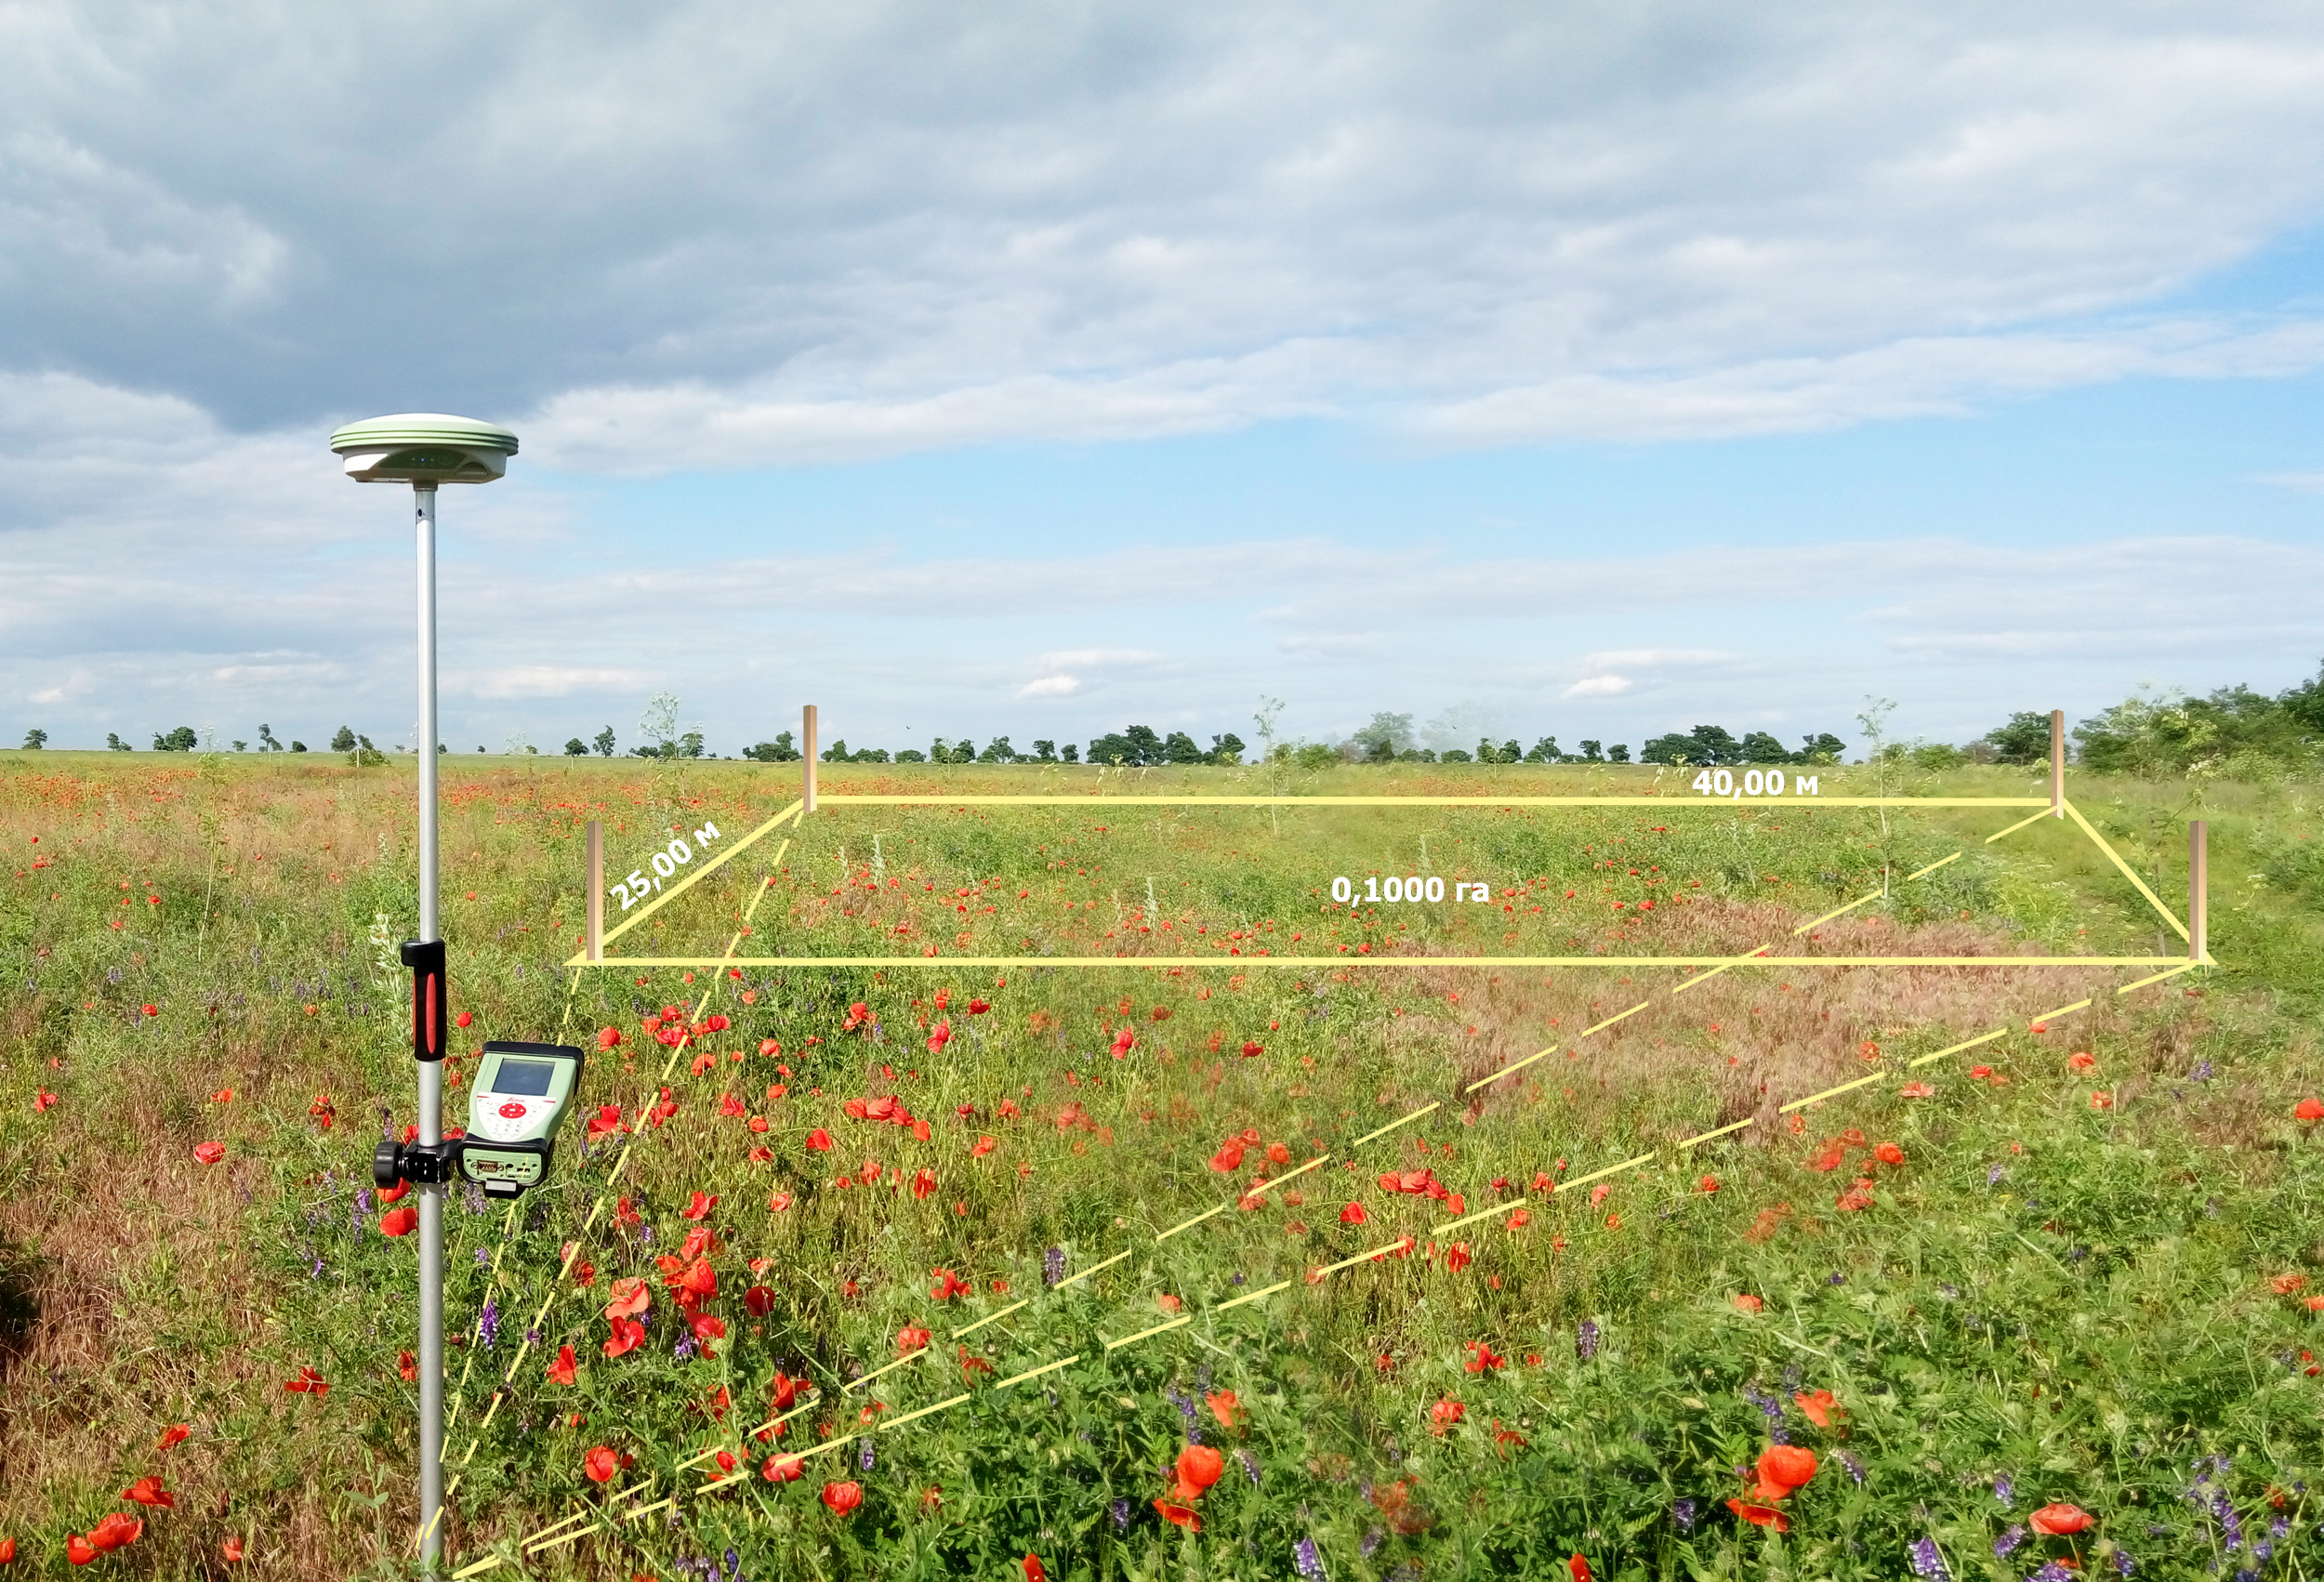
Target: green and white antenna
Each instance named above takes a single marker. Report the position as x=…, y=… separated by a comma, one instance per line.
x=427, y=449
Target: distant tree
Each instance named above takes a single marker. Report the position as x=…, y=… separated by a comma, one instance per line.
x=1044, y=752
x=1716, y=745
x=365, y=756
x=2303, y=704
x=1137, y=746
x=1227, y=749
x=115, y=744
x=1617, y=753
x=690, y=745
x=1069, y=753
x=911, y=755
x=779, y=750
x=2025, y=739
x=836, y=752
x=1508, y=752
x=1825, y=748
x=1387, y=736
x=872, y=755
x=942, y=751
x=297, y=746
x=1760, y=747
x=576, y=748
x=267, y=744
x=1592, y=752
x=1545, y=751
x=997, y=750
x=1454, y=754
x=35, y=740
x=181, y=740
x=1179, y=747
x=1935, y=755
x=604, y=743
x=240, y=747
x=1670, y=748
x=345, y=740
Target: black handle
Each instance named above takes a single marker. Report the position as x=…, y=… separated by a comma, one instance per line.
x=431, y=1013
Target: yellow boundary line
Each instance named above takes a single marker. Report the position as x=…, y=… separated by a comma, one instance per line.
x=1262, y=963
x=710, y=866
x=2115, y=857
x=918, y=799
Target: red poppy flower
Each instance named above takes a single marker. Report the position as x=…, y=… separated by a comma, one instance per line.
x=983, y=1146
x=1226, y=1408
x=2285, y=1284
x=819, y=1140
x=1919, y=1090
x=148, y=1491
x=209, y=1153
x=176, y=1433
x=760, y=1300
x=1124, y=1042
x=1889, y=1154
x=395, y=1192
x=701, y=1205
x=398, y=1221
x=628, y=1334
x=114, y=1531
x=1746, y=1302
x=561, y=1371
x=1444, y=1414
x=223, y=1096
x=1819, y=1405
x=1783, y=1467
x=1176, y=1515
x=1578, y=1568
x=151, y=1010
x=843, y=1497
x=463, y=1019
x=1033, y=1571
x=230, y=1550
x=924, y=1183
x=1482, y=1358
x=1229, y=1157
x=601, y=1464
x=708, y=1327
x=631, y=1299
x=43, y=1099
x=948, y=1286
x=1198, y=1467
x=1457, y=1258
x=407, y=1367
x=1253, y=1050
x=783, y=1468
x=308, y=1382
x=1761, y=1515
x=2059, y=1521
x=2082, y=1060
x=2309, y=1110
x=779, y=1202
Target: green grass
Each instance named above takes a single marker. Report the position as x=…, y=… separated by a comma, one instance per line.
x=2075, y=1300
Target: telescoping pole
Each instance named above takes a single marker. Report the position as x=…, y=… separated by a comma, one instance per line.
x=430, y=1071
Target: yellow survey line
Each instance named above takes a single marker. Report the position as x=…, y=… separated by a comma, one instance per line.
x=1287, y=1175
x=478, y=1568
x=898, y=1422
x=1174, y=1230
x=807, y=1405
x=1254, y=1296
x=1361, y=1256
x=1179, y=1321
x=991, y=1318
x=1100, y=800
x=1819, y=1098
x=2062, y=1010
x=1610, y=1170
x=562, y=1539
x=1472, y=1219
x=1077, y=1279
x=704, y=872
x=1836, y=912
x=1383, y=1131
x=1303, y=963
x=2018, y=825
x=2152, y=899
x=1956, y=1049
x=577, y=1516
x=858, y=1384
x=1934, y=867
x=1723, y=966
x=2161, y=976
x=1707, y=1136
x=1513, y=1070
x=1035, y=1373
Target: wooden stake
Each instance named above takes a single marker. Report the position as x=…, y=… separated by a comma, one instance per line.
x=596, y=890
x=2198, y=896
x=2057, y=763
x=807, y=730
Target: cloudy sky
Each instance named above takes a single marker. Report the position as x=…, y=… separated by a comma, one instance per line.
x=1596, y=369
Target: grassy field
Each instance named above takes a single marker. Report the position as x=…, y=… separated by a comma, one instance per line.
x=2075, y=1270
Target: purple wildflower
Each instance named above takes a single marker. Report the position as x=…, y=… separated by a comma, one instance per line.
x=1250, y=1467
x=1854, y=1467
x=488, y=1323
x=1053, y=1265
x=2004, y=1489
x=1121, y=1515
x=1586, y=1339
x=1371, y=1542
x=1770, y=1407
x=1306, y=1562
x=1927, y=1561
x=1682, y=1514
x=2051, y=1572
x=1993, y=1177
x=685, y=1347
x=2123, y=1562
x=2008, y=1541
x=865, y=1460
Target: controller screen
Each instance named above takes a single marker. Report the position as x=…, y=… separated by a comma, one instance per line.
x=527, y=1077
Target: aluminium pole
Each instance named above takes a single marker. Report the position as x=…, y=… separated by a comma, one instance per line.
x=430, y=1074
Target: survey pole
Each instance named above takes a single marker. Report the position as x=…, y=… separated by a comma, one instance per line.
x=2197, y=892
x=430, y=1071
x=2057, y=763
x=596, y=941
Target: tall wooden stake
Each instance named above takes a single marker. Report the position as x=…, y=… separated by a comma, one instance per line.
x=807, y=730
x=2197, y=893
x=596, y=890
x=2057, y=763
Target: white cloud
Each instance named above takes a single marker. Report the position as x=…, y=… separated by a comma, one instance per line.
x=1050, y=687
x=1599, y=687
x=2300, y=482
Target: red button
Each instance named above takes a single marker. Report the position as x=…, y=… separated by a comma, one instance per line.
x=512, y=1110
